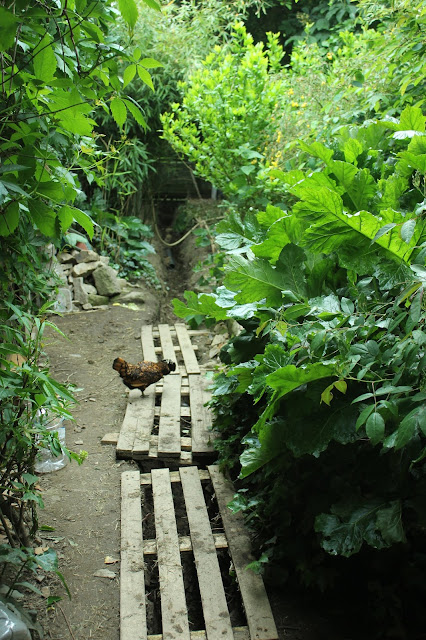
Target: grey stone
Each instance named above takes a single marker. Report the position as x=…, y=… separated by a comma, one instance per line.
x=104, y=259
x=63, y=303
x=84, y=268
x=65, y=257
x=136, y=296
x=89, y=288
x=106, y=281
x=80, y=295
x=97, y=300
x=87, y=255
x=87, y=306
x=59, y=270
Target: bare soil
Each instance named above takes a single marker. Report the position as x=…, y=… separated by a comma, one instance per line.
x=82, y=503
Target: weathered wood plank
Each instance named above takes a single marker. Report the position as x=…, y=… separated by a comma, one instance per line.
x=147, y=341
x=174, y=612
x=185, y=412
x=215, y=609
x=185, y=544
x=256, y=604
x=191, y=332
x=203, y=474
x=169, y=424
x=188, y=353
x=136, y=427
x=201, y=418
x=240, y=633
x=110, y=438
x=166, y=343
x=132, y=582
x=176, y=348
x=128, y=428
x=185, y=443
x=146, y=420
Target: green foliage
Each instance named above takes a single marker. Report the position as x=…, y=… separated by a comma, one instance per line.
x=59, y=62
x=25, y=388
x=222, y=129
x=331, y=359
x=125, y=241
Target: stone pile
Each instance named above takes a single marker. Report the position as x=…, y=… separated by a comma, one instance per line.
x=88, y=281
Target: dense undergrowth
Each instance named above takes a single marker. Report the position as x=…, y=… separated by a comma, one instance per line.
x=320, y=406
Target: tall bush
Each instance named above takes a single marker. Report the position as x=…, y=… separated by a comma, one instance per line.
x=329, y=369
x=225, y=117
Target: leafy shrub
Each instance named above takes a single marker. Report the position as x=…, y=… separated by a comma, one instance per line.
x=224, y=120
x=329, y=366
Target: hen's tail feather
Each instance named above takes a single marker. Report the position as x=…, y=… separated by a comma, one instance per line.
x=119, y=365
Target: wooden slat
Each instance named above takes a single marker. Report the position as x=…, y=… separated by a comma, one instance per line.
x=147, y=341
x=200, y=417
x=188, y=353
x=136, y=427
x=176, y=348
x=110, y=438
x=203, y=474
x=184, y=391
x=185, y=544
x=185, y=412
x=185, y=443
x=169, y=424
x=240, y=633
x=132, y=581
x=256, y=604
x=166, y=343
x=215, y=609
x=174, y=612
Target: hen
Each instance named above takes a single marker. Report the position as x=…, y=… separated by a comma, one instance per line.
x=142, y=374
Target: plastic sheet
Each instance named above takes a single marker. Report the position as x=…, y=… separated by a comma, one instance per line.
x=11, y=627
x=45, y=460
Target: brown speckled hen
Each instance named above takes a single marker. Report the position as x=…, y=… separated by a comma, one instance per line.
x=143, y=374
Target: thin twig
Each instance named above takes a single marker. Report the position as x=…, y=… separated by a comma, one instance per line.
x=68, y=624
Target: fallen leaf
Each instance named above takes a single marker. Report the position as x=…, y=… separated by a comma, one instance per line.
x=39, y=550
x=45, y=591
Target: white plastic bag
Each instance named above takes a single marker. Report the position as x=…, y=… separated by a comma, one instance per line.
x=11, y=627
x=45, y=460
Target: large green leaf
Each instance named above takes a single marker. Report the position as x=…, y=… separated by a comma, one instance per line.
x=349, y=525
x=411, y=425
x=8, y=24
x=83, y=219
x=136, y=112
x=291, y=266
x=197, y=307
x=362, y=189
x=287, y=229
x=119, y=111
x=129, y=11
x=254, y=281
x=9, y=219
x=44, y=60
x=44, y=217
x=290, y=377
x=412, y=119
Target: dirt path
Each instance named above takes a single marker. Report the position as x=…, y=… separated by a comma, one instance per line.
x=83, y=503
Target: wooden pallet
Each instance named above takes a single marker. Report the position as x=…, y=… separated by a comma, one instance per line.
x=169, y=547
x=169, y=423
